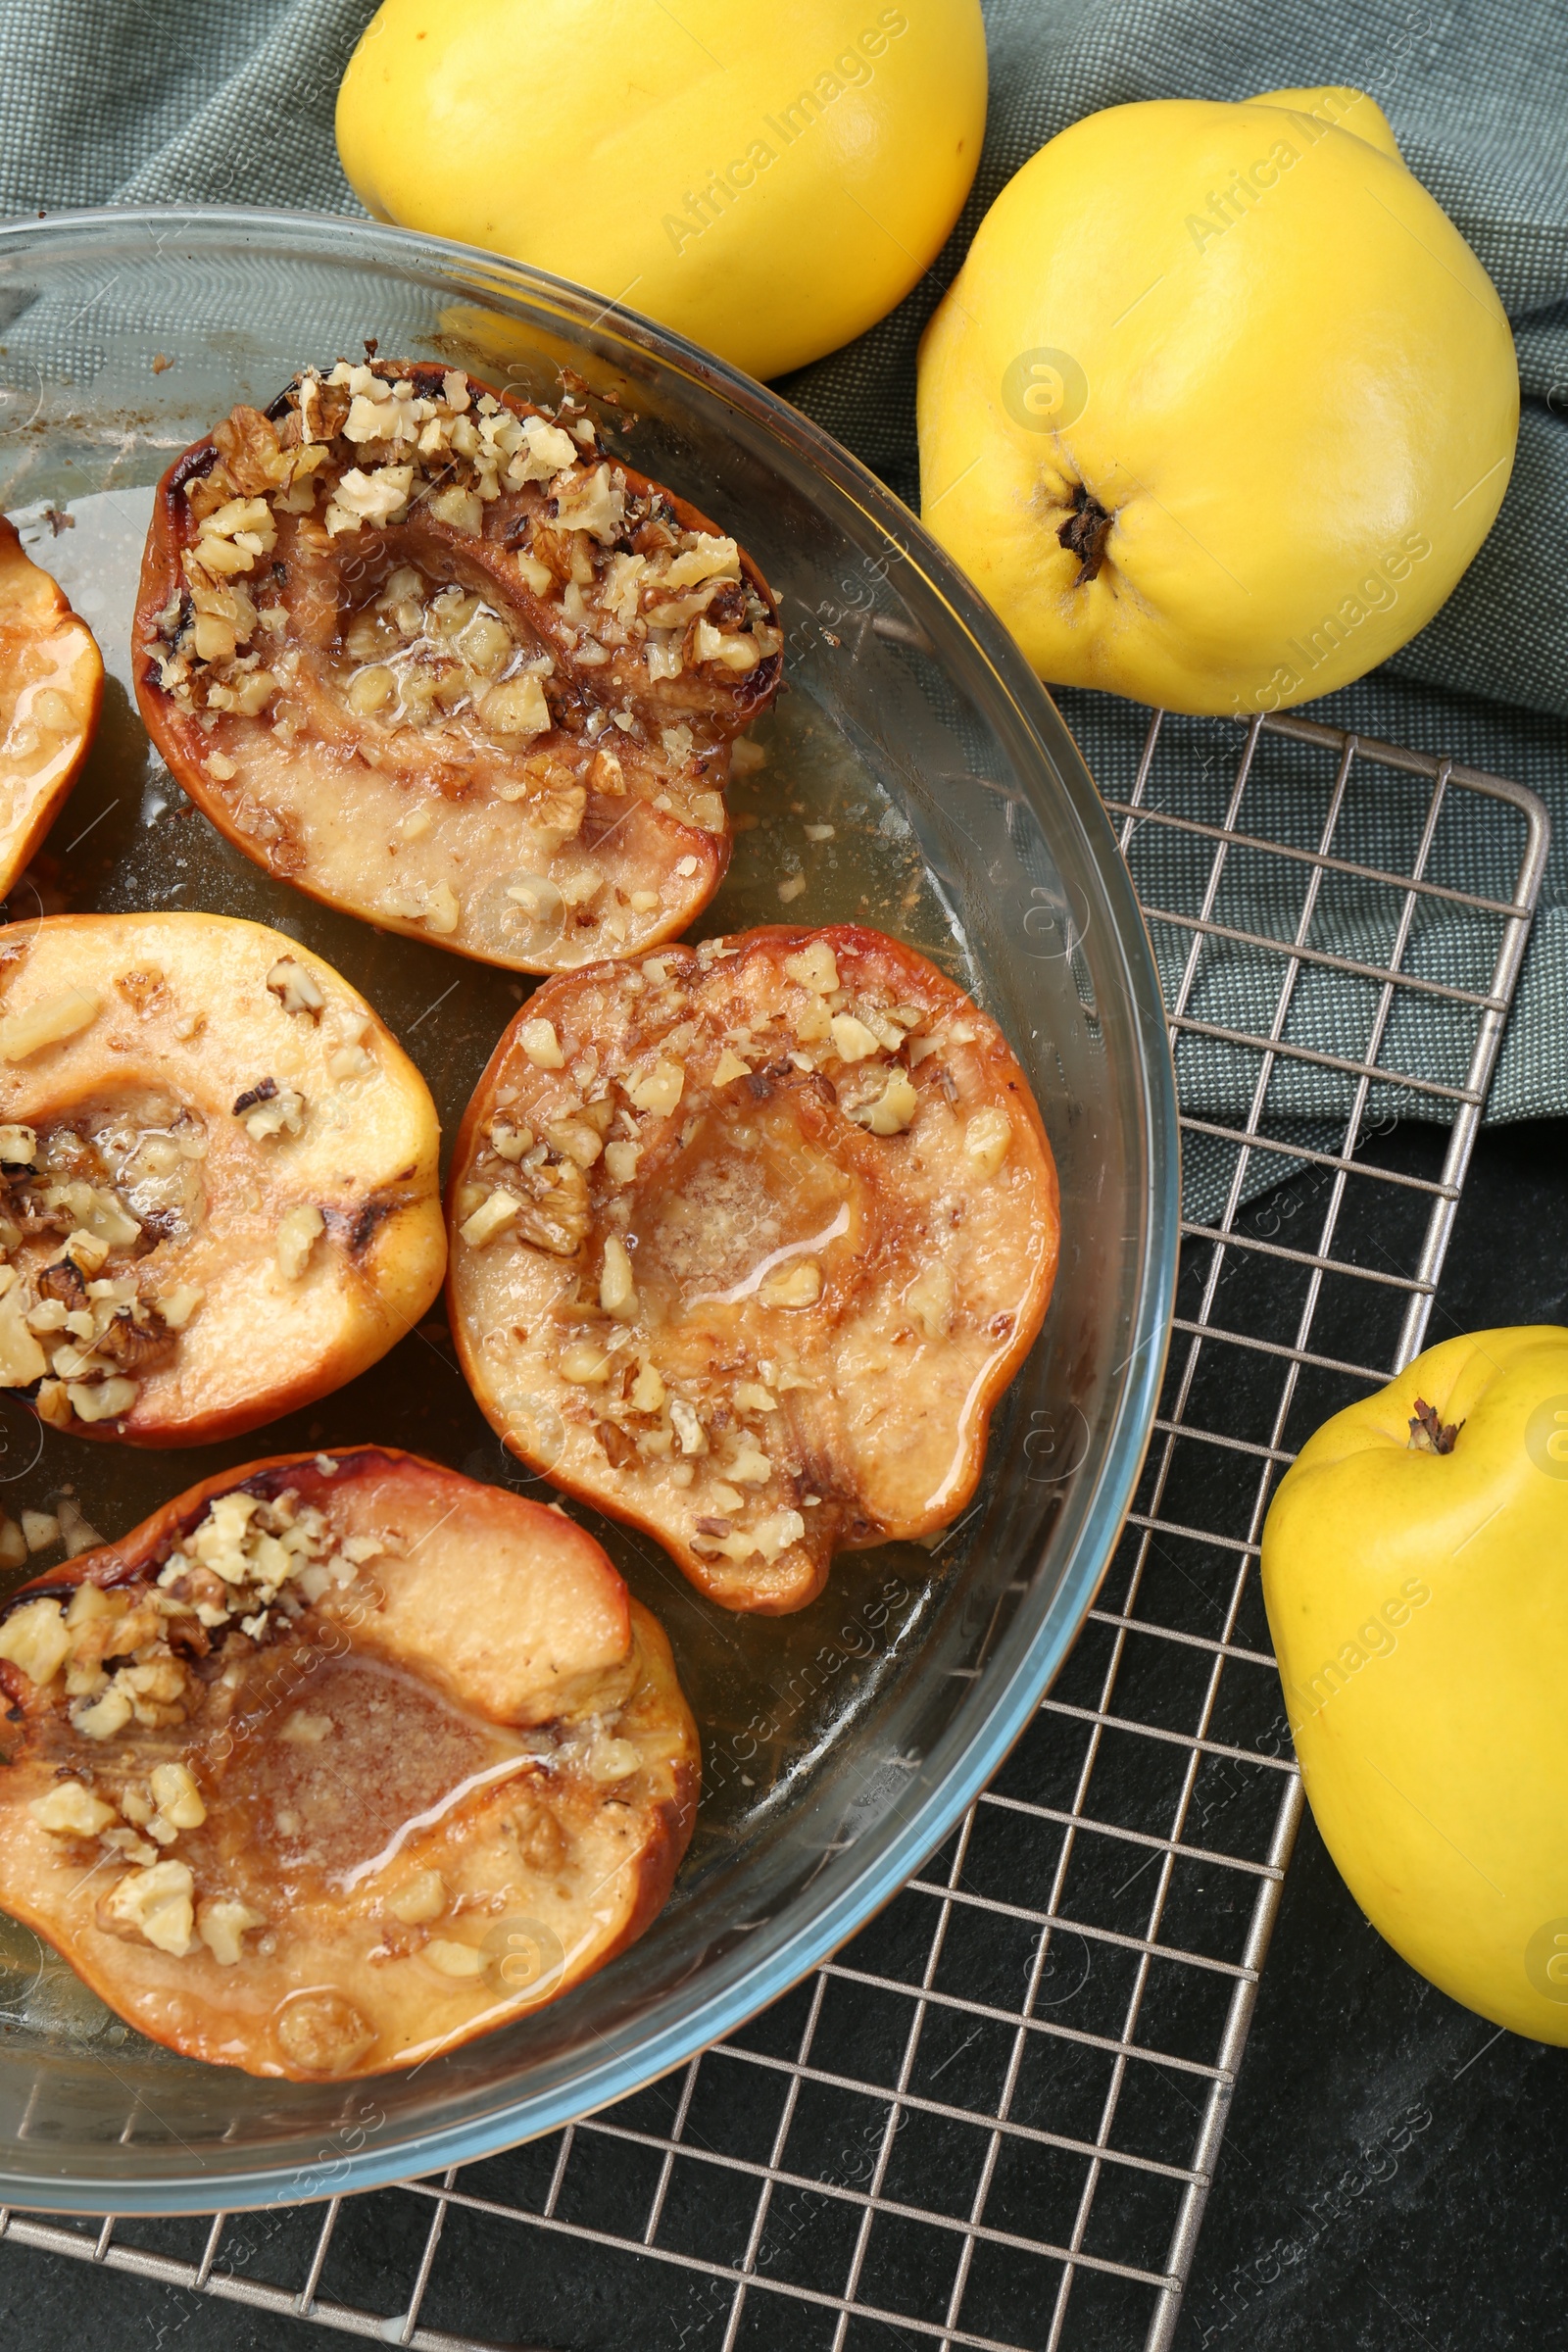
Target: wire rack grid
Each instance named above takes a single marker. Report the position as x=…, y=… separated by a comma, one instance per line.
x=993, y=2119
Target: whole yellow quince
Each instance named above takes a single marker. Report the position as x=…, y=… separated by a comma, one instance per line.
x=1221, y=404
x=768, y=185
x=1415, y=1570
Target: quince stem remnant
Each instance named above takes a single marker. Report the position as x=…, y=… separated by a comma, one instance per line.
x=1085, y=533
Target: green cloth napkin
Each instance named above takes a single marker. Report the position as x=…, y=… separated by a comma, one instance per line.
x=114, y=103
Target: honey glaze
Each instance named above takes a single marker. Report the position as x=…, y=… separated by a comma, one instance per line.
x=333, y=1788
x=340, y=1766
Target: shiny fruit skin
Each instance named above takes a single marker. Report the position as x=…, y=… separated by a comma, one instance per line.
x=1295, y=393
x=1419, y=1612
x=585, y=139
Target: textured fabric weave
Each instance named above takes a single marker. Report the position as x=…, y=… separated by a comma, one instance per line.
x=111, y=101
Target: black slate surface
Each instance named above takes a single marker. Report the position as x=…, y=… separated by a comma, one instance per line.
x=1390, y=2176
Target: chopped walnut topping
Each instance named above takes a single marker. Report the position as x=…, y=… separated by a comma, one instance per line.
x=99, y=1401
x=442, y=913
x=71, y=1810
x=272, y=1110
x=797, y=1285
x=620, y=1161
x=222, y=1923
x=659, y=1089
x=987, y=1139
x=352, y=1056
x=419, y=1899
x=34, y=1638
x=542, y=1045
x=893, y=1110
x=299, y=1228
x=454, y=1959
x=177, y=1306
x=576, y=1140
x=930, y=1299
x=584, y=1363
x=101, y=1718
x=852, y=1038
x=157, y=1902
x=296, y=989
x=689, y=1431
x=48, y=1023
x=617, y=1290
x=494, y=1213
x=86, y=1340
x=302, y=1729
x=765, y=1540
x=176, y=1795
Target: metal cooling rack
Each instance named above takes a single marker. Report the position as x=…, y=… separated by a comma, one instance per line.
x=993, y=2119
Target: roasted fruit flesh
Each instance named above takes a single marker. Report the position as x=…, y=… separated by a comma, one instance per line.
x=338, y=1761
x=429, y=654
x=217, y=1176
x=51, y=686
x=746, y=1240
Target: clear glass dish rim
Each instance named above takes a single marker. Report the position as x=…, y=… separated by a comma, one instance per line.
x=758, y=1971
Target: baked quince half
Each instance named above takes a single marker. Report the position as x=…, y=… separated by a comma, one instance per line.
x=51, y=688
x=426, y=651
x=337, y=1761
x=746, y=1241
x=217, y=1177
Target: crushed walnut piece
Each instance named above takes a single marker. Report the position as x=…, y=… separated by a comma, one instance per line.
x=270, y=1110
x=296, y=989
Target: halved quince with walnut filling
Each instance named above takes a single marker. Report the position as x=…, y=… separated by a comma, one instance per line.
x=746, y=1243
x=51, y=686
x=217, y=1176
x=334, y=1763
x=423, y=650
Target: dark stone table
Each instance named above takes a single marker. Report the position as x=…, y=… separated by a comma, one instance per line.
x=1393, y=2175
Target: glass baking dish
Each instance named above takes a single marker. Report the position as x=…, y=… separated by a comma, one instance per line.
x=841, y=1743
